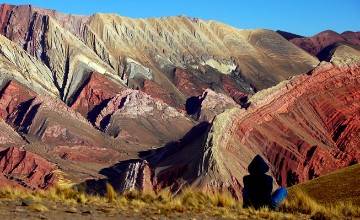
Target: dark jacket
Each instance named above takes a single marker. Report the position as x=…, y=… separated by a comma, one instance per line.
x=257, y=186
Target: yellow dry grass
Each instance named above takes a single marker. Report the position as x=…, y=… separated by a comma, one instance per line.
x=299, y=205
x=342, y=186
x=38, y=207
x=300, y=202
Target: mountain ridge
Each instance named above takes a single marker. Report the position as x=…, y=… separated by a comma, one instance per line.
x=172, y=102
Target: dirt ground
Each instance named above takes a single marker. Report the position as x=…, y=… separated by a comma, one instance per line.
x=14, y=210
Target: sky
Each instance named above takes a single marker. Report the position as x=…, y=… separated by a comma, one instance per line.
x=304, y=17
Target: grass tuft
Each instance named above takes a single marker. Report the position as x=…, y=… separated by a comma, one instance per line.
x=110, y=193
x=38, y=207
x=298, y=201
x=221, y=205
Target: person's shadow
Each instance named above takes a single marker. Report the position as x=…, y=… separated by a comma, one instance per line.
x=258, y=187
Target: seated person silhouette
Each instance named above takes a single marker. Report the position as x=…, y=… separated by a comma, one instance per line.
x=258, y=187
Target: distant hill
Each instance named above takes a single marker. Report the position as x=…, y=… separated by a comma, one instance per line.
x=315, y=44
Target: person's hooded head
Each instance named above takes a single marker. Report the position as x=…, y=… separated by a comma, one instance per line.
x=258, y=166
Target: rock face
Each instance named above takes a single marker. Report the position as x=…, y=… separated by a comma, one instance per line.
x=195, y=82
x=302, y=121
x=12, y=95
x=66, y=136
x=94, y=93
x=206, y=106
x=315, y=44
x=296, y=126
x=9, y=137
x=198, y=160
x=21, y=168
x=50, y=37
x=17, y=64
x=44, y=118
x=47, y=126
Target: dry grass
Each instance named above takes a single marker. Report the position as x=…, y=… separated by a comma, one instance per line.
x=298, y=205
x=336, y=195
x=110, y=193
x=38, y=207
x=300, y=202
x=199, y=199
x=341, y=186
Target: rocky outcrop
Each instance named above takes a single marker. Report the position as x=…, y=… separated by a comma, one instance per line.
x=45, y=118
x=194, y=82
x=233, y=91
x=197, y=160
x=296, y=126
x=341, y=54
x=11, y=96
x=187, y=83
x=22, y=168
x=9, y=137
x=136, y=175
x=54, y=131
x=156, y=91
x=93, y=94
x=136, y=117
x=206, y=106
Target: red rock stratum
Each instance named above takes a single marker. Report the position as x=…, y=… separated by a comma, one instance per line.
x=22, y=168
x=304, y=127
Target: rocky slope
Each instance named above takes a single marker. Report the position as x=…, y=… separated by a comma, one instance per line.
x=136, y=117
x=94, y=93
x=9, y=137
x=340, y=53
x=170, y=102
x=15, y=63
x=145, y=54
x=43, y=35
x=296, y=126
x=19, y=167
x=204, y=48
x=43, y=117
x=49, y=127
